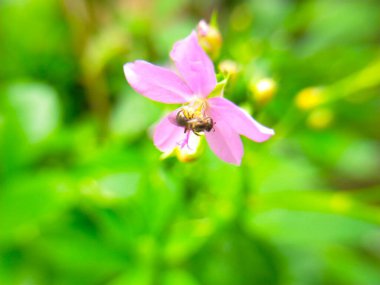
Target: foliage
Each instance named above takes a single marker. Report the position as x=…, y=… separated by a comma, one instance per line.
x=85, y=198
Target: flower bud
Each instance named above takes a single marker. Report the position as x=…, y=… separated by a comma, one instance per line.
x=320, y=118
x=263, y=90
x=184, y=155
x=187, y=153
x=209, y=38
x=229, y=68
x=309, y=98
x=191, y=151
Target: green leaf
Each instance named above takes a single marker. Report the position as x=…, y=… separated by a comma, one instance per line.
x=219, y=88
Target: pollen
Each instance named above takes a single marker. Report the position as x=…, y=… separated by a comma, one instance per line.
x=196, y=108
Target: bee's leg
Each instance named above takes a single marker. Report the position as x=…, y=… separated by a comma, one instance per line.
x=196, y=133
x=185, y=130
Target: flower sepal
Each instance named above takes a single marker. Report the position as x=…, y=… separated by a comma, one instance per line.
x=219, y=88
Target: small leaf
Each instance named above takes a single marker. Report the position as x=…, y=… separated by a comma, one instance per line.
x=219, y=88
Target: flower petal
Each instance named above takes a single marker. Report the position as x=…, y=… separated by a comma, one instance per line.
x=194, y=65
x=225, y=142
x=167, y=135
x=238, y=119
x=157, y=83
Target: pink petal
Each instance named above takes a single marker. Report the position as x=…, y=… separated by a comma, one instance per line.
x=167, y=135
x=225, y=142
x=238, y=119
x=194, y=65
x=157, y=83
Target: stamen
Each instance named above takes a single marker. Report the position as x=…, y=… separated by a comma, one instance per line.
x=196, y=108
x=185, y=141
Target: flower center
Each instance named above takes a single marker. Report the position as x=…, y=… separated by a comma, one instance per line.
x=193, y=118
x=196, y=108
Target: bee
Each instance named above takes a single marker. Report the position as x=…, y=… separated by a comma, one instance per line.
x=193, y=123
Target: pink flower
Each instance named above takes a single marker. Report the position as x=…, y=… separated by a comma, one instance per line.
x=191, y=87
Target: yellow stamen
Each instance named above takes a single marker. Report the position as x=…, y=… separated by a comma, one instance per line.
x=195, y=108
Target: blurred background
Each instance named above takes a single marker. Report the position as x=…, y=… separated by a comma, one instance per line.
x=86, y=199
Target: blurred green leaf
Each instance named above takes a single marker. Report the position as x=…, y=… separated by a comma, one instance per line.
x=133, y=116
x=37, y=109
x=85, y=198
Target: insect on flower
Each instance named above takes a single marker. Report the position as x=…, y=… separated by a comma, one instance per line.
x=193, y=123
x=220, y=120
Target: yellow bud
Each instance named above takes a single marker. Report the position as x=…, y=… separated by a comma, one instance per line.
x=263, y=90
x=188, y=153
x=320, y=118
x=185, y=155
x=309, y=98
x=229, y=68
x=209, y=38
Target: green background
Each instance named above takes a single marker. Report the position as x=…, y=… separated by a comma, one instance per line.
x=86, y=199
